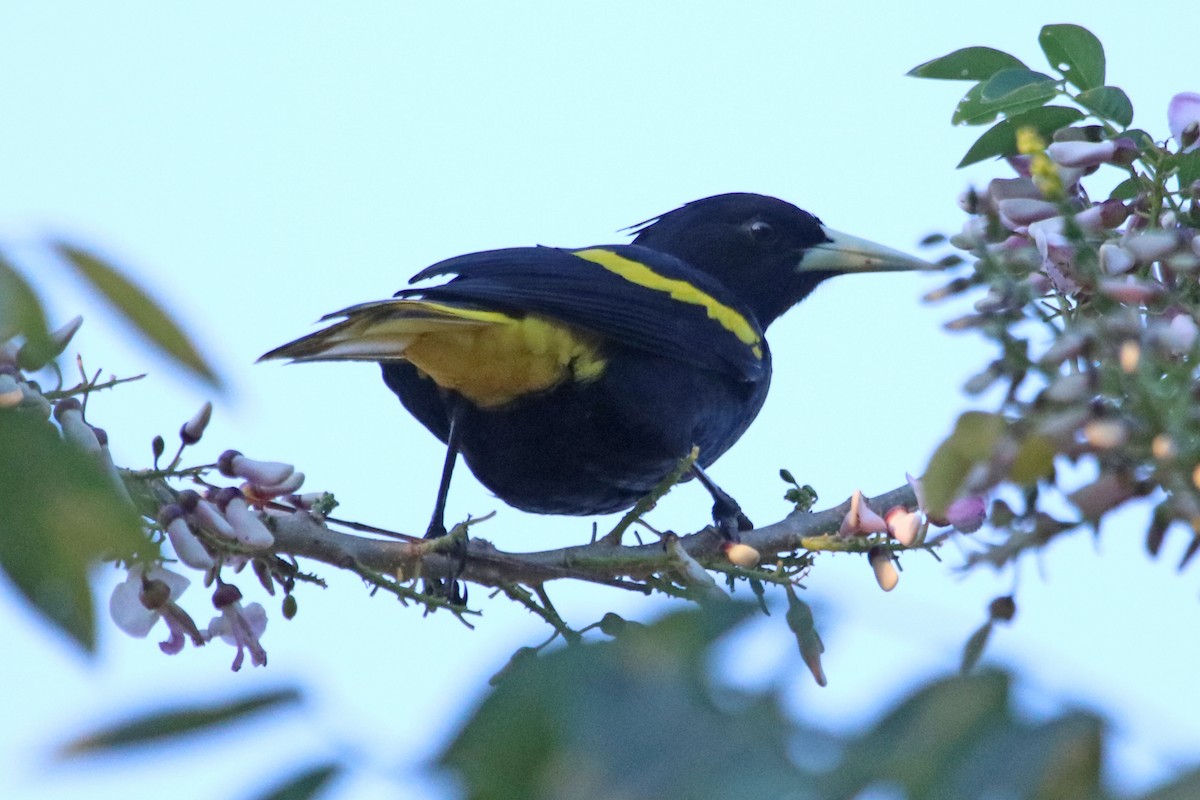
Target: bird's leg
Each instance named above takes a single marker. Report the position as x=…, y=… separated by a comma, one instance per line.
x=450, y=587
x=727, y=514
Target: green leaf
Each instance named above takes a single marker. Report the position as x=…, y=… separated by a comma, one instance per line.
x=306, y=784
x=604, y=719
x=1001, y=138
x=160, y=727
x=917, y=744
x=62, y=514
x=968, y=64
x=1007, y=81
x=1059, y=759
x=1188, y=166
x=973, y=440
x=1126, y=189
x=800, y=619
x=1033, y=461
x=1075, y=52
x=1108, y=102
x=21, y=311
x=138, y=308
x=1184, y=787
x=973, y=649
x=1009, y=92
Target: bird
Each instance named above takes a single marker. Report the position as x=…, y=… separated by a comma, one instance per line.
x=573, y=380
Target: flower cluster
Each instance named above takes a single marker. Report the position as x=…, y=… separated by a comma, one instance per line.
x=1093, y=305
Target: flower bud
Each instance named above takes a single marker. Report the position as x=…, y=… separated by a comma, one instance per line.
x=1131, y=291
x=69, y=413
x=904, y=525
x=233, y=464
x=1116, y=260
x=884, y=567
x=1150, y=245
x=1081, y=154
x=1179, y=335
x=967, y=514
x=1002, y=609
x=226, y=594
x=1021, y=211
x=193, y=429
x=247, y=527
x=211, y=519
x=10, y=392
x=1163, y=447
x=1105, y=434
x=1129, y=355
x=186, y=545
x=741, y=555
x=861, y=519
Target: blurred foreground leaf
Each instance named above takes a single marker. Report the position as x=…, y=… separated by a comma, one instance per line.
x=62, y=514
x=972, y=442
x=138, y=308
x=641, y=717
x=636, y=717
x=162, y=726
x=21, y=312
x=306, y=784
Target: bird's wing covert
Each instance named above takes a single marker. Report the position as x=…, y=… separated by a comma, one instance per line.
x=634, y=295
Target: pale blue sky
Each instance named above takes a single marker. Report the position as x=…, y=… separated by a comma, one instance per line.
x=257, y=167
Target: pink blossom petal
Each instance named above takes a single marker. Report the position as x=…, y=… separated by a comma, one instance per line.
x=884, y=567
x=1183, y=112
x=1081, y=154
x=967, y=514
x=904, y=525
x=125, y=604
x=861, y=519
x=187, y=546
x=1116, y=260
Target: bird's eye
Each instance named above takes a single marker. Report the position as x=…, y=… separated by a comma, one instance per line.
x=761, y=231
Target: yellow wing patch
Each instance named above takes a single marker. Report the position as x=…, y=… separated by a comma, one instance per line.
x=506, y=357
x=636, y=272
x=489, y=357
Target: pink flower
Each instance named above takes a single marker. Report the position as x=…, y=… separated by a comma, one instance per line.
x=884, y=567
x=967, y=514
x=1183, y=118
x=861, y=519
x=905, y=526
x=239, y=626
x=148, y=595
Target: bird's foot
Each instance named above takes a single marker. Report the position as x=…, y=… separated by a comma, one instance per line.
x=449, y=587
x=730, y=520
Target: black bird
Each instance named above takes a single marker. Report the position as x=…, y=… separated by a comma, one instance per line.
x=573, y=381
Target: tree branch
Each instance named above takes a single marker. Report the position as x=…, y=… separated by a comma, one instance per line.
x=301, y=534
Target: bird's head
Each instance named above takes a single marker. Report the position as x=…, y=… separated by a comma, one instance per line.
x=768, y=252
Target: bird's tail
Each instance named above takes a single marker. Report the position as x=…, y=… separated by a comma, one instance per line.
x=382, y=331
x=489, y=357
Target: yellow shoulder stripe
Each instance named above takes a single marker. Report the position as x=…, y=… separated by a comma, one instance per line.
x=642, y=275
